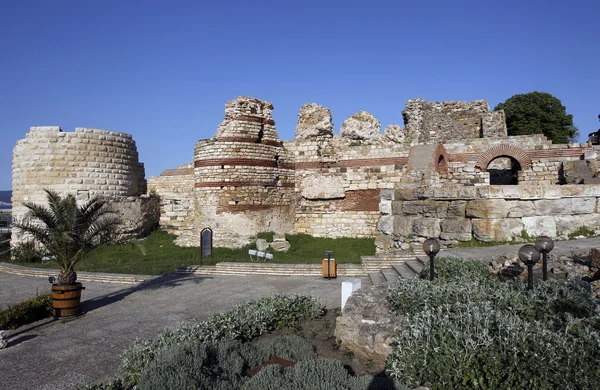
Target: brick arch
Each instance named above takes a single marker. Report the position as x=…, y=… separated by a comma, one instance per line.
x=504, y=151
x=441, y=159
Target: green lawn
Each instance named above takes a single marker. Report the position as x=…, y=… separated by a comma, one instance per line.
x=157, y=254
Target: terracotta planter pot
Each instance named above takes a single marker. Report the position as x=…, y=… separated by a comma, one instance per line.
x=66, y=299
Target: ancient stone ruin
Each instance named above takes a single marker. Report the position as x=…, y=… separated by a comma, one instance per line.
x=85, y=163
x=450, y=172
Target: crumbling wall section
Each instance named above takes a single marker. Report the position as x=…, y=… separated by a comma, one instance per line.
x=440, y=122
x=177, y=205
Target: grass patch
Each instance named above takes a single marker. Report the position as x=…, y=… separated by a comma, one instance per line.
x=582, y=231
x=478, y=244
x=26, y=312
x=157, y=254
x=266, y=236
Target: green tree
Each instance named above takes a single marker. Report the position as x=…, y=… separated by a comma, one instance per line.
x=69, y=232
x=539, y=113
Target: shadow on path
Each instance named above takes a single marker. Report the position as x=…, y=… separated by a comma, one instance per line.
x=169, y=280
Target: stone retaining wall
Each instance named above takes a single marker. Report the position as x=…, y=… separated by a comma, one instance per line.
x=410, y=214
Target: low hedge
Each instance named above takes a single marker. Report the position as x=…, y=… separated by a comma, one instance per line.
x=477, y=332
x=245, y=322
x=26, y=312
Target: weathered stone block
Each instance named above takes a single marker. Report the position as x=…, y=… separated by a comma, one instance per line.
x=539, y=226
x=532, y=191
x=384, y=243
x=456, y=209
x=565, y=206
x=501, y=230
x=368, y=326
x=520, y=208
x=445, y=192
x=405, y=193
x=487, y=208
x=387, y=194
x=385, y=225
x=403, y=226
x=456, y=229
x=468, y=192
x=397, y=207
x=385, y=207
x=425, y=208
x=427, y=227
x=316, y=187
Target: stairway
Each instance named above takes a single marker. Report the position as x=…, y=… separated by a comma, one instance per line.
x=381, y=268
x=394, y=268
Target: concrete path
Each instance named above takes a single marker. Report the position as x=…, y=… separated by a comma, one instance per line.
x=54, y=354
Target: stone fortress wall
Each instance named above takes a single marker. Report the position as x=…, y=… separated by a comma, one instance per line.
x=244, y=180
x=84, y=163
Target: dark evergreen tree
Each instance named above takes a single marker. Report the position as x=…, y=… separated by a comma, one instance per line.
x=539, y=113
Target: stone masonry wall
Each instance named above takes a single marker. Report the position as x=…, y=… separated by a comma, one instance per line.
x=410, y=214
x=177, y=206
x=84, y=163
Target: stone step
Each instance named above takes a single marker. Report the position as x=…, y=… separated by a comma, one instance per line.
x=377, y=277
x=81, y=276
x=415, y=265
x=389, y=274
x=404, y=271
x=225, y=268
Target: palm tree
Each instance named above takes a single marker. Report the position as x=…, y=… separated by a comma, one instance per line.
x=68, y=232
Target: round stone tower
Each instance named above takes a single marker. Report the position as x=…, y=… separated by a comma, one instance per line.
x=84, y=163
x=244, y=177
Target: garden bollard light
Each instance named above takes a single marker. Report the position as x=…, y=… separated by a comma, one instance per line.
x=529, y=255
x=545, y=245
x=431, y=246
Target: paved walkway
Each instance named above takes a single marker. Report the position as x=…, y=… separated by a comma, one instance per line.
x=54, y=354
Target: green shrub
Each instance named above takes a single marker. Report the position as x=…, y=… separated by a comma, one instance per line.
x=243, y=323
x=26, y=312
x=322, y=374
x=217, y=365
x=266, y=236
x=467, y=329
x=26, y=252
x=291, y=347
x=110, y=385
x=451, y=268
x=474, y=345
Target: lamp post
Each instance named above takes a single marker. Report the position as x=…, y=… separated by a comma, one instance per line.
x=431, y=246
x=529, y=255
x=544, y=245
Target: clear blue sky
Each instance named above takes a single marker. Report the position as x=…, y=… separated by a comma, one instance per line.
x=162, y=71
